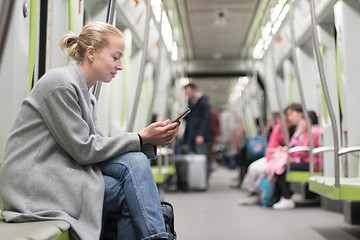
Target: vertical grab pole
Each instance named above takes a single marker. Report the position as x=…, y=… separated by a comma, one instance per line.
x=110, y=18
x=297, y=76
x=142, y=66
x=282, y=116
x=5, y=19
x=157, y=68
x=258, y=101
x=326, y=94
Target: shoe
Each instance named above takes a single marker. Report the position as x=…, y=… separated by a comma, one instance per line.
x=273, y=201
x=250, y=200
x=284, y=204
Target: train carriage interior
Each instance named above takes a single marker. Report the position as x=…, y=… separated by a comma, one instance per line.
x=252, y=61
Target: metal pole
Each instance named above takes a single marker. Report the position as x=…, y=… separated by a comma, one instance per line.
x=110, y=18
x=258, y=98
x=282, y=116
x=142, y=66
x=297, y=76
x=157, y=68
x=326, y=94
x=5, y=19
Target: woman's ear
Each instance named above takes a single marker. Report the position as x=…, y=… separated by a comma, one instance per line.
x=90, y=53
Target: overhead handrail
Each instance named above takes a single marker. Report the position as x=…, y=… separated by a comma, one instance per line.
x=301, y=91
x=5, y=19
x=142, y=66
x=326, y=94
x=157, y=67
x=110, y=18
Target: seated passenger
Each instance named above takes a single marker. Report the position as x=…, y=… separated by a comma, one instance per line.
x=299, y=161
x=57, y=163
x=256, y=170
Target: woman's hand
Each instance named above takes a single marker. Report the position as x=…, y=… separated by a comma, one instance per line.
x=159, y=133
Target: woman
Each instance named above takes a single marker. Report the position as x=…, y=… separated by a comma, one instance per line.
x=256, y=170
x=299, y=161
x=57, y=163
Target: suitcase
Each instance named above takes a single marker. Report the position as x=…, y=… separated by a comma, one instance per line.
x=191, y=172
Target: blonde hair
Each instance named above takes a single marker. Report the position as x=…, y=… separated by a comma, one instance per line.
x=94, y=34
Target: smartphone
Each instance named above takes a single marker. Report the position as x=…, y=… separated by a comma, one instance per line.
x=184, y=114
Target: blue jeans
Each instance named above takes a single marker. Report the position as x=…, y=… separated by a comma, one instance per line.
x=132, y=207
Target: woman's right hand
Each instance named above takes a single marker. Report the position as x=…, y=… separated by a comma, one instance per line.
x=159, y=133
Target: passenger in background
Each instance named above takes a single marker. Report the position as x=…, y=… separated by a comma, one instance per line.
x=271, y=121
x=156, y=118
x=198, y=122
x=216, y=137
x=58, y=165
x=256, y=170
x=299, y=160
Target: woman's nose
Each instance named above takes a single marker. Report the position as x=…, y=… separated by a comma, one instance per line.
x=119, y=67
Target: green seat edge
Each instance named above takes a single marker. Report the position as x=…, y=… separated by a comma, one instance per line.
x=62, y=236
x=300, y=176
x=345, y=192
x=161, y=178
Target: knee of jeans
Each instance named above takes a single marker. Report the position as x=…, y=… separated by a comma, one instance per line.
x=138, y=161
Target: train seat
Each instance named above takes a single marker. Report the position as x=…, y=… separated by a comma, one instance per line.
x=40, y=230
x=325, y=186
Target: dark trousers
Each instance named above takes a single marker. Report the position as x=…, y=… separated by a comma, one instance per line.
x=282, y=187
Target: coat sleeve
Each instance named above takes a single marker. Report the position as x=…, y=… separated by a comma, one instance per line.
x=63, y=116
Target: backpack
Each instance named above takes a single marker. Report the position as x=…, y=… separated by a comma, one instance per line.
x=168, y=212
x=255, y=147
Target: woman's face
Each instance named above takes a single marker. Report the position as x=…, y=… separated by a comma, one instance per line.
x=293, y=117
x=107, y=62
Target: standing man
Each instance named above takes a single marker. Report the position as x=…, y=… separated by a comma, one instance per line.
x=198, y=122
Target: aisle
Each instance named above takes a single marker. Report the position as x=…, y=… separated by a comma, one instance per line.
x=215, y=215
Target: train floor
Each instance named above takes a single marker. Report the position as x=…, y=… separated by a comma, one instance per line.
x=215, y=215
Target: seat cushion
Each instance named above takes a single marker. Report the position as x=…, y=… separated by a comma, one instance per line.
x=40, y=230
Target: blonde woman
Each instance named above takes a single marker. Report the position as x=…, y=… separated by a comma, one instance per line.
x=57, y=163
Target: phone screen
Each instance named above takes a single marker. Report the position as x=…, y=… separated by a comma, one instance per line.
x=179, y=118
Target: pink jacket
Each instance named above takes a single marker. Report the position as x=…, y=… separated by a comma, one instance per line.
x=302, y=139
x=277, y=139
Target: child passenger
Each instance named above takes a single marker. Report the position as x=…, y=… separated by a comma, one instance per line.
x=58, y=165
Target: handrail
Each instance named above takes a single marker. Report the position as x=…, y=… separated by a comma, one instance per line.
x=299, y=149
x=326, y=94
x=110, y=17
x=301, y=91
x=142, y=66
x=5, y=20
x=157, y=68
x=323, y=149
x=347, y=150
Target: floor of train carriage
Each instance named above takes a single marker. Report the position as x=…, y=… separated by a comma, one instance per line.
x=215, y=215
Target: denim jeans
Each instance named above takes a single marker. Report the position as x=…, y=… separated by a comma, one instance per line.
x=132, y=207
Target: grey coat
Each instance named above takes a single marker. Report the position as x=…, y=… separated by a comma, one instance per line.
x=49, y=170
